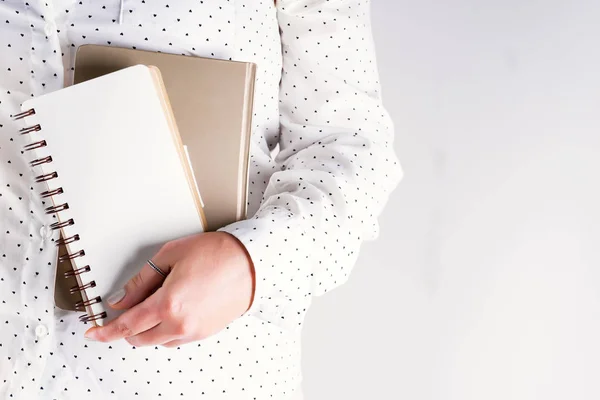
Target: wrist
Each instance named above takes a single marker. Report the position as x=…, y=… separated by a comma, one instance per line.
x=243, y=268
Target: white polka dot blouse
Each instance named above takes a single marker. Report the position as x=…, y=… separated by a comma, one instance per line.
x=321, y=168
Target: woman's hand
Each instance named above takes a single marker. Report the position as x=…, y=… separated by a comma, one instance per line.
x=210, y=283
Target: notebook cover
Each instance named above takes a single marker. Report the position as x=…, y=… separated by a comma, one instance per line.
x=63, y=297
x=127, y=186
x=212, y=102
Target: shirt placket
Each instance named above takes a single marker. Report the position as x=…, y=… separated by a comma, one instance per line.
x=46, y=54
x=37, y=340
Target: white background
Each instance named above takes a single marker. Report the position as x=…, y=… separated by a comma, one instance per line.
x=485, y=282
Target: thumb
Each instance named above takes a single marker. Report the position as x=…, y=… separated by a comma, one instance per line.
x=142, y=285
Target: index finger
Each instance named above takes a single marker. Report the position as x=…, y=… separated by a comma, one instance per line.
x=136, y=320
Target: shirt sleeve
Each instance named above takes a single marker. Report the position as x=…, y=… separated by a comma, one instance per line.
x=336, y=165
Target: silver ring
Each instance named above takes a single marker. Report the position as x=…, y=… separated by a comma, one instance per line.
x=154, y=267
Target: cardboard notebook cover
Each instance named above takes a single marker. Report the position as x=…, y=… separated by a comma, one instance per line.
x=212, y=101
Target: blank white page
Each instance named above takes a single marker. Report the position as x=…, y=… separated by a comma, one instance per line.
x=123, y=178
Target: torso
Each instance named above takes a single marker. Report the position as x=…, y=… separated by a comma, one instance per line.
x=250, y=359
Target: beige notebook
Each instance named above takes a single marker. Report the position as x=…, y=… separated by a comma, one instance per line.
x=212, y=102
x=115, y=175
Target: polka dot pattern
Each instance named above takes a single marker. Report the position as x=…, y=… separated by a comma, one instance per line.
x=322, y=167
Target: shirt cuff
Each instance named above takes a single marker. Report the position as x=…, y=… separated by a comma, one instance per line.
x=276, y=297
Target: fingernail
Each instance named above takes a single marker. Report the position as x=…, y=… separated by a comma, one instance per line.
x=116, y=296
x=88, y=335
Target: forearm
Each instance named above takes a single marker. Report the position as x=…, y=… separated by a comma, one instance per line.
x=337, y=161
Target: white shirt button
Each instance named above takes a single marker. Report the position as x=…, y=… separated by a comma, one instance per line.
x=50, y=28
x=46, y=232
x=41, y=331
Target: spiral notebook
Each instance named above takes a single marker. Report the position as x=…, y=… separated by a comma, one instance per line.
x=115, y=175
x=212, y=101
